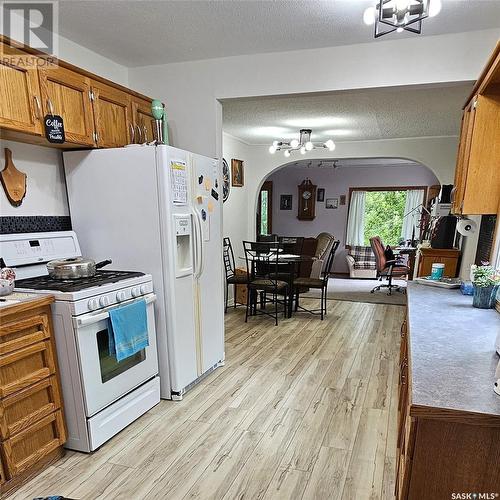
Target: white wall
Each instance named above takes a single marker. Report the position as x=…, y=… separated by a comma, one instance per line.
x=46, y=193
x=235, y=221
x=46, y=188
x=92, y=61
x=235, y=218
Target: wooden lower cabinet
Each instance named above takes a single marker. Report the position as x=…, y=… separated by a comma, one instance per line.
x=441, y=451
x=429, y=256
x=32, y=429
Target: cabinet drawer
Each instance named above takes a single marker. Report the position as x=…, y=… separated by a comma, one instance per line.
x=25, y=367
x=21, y=333
x=24, y=408
x=31, y=445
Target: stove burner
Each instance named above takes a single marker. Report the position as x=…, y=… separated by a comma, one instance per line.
x=101, y=277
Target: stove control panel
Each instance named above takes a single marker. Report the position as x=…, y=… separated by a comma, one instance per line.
x=119, y=296
x=24, y=249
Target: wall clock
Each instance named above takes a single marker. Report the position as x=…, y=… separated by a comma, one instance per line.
x=307, y=201
x=226, y=180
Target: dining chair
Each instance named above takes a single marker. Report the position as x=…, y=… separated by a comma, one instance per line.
x=230, y=272
x=388, y=266
x=302, y=284
x=262, y=267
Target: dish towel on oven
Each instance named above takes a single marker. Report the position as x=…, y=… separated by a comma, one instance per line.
x=129, y=330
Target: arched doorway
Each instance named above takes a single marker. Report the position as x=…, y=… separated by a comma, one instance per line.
x=335, y=181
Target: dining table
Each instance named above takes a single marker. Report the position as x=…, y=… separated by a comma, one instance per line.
x=286, y=259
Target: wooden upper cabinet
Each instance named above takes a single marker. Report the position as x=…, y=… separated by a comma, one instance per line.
x=143, y=121
x=477, y=175
x=463, y=158
x=67, y=94
x=111, y=115
x=20, y=108
x=96, y=112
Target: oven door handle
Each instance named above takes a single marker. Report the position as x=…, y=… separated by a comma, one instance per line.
x=89, y=319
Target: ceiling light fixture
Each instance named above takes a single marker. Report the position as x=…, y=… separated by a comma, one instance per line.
x=303, y=144
x=400, y=15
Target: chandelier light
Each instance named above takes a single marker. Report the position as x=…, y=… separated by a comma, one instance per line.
x=303, y=144
x=400, y=15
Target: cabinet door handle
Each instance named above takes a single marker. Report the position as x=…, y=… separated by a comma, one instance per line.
x=50, y=106
x=145, y=133
x=38, y=108
x=139, y=138
x=132, y=133
x=452, y=194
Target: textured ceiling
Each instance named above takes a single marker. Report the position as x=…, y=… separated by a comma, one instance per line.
x=142, y=32
x=349, y=115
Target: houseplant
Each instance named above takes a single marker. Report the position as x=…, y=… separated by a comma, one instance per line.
x=486, y=281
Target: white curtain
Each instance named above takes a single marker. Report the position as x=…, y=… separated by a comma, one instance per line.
x=356, y=221
x=414, y=198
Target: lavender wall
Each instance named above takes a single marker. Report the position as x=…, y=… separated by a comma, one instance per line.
x=335, y=182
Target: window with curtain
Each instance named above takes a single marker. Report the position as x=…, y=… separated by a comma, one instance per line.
x=356, y=219
x=382, y=213
x=412, y=213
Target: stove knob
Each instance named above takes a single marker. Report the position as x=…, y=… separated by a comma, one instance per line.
x=120, y=296
x=104, y=301
x=144, y=289
x=93, y=304
x=136, y=291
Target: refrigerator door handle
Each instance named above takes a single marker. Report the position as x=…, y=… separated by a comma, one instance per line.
x=201, y=255
x=195, y=242
x=198, y=249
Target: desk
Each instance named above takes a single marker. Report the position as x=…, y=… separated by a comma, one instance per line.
x=428, y=256
x=411, y=252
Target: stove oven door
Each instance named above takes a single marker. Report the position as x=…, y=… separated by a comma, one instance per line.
x=105, y=379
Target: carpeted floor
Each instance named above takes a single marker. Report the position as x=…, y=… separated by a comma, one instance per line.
x=358, y=290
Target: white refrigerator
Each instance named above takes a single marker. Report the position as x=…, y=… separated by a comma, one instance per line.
x=158, y=209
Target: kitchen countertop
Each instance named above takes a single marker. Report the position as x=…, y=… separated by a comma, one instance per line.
x=452, y=351
x=17, y=301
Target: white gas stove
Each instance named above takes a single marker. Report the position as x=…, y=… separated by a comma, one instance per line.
x=101, y=395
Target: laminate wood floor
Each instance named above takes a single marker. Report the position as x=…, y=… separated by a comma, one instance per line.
x=305, y=410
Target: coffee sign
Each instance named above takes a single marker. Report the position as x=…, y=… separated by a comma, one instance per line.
x=54, y=129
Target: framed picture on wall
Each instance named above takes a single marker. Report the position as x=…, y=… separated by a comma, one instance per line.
x=237, y=173
x=332, y=203
x=342, y=199
x=321, y=195
x=286, y=202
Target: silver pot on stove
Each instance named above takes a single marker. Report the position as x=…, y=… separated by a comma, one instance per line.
x=74, y=268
